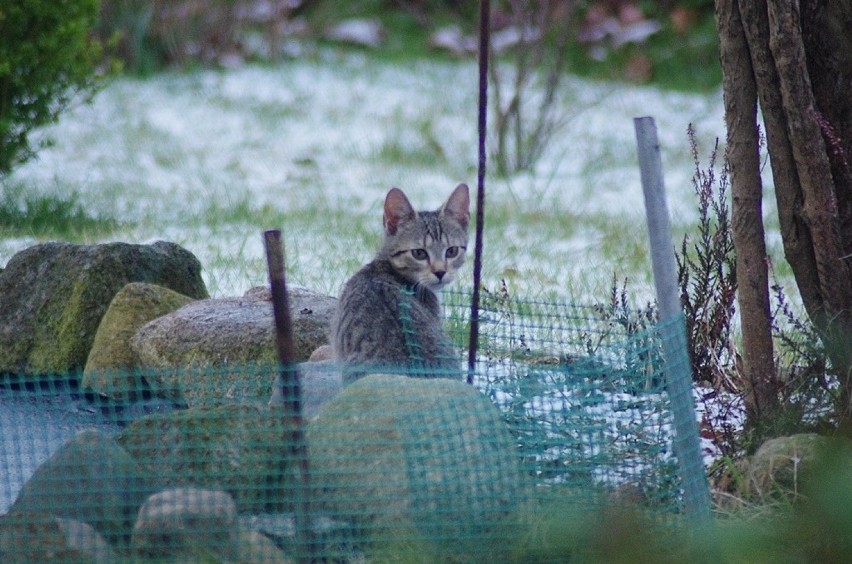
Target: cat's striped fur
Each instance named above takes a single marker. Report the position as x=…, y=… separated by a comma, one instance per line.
x=388, y=315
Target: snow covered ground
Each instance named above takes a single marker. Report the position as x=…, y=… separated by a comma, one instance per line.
x=211, y=158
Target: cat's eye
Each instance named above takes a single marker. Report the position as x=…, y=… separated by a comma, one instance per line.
x=452, y=252
x=419, y=254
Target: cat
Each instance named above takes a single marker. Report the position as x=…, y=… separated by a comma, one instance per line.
x=388, y=315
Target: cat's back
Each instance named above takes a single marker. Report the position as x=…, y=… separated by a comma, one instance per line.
x=379, y=320
x=369, y=295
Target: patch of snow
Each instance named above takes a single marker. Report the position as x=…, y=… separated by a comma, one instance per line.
x=362, y=32
x=152, y=153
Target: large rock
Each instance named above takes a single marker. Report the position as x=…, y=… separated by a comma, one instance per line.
x=415, y=460
x=111, y=369
x=257, y=548
x=53, y=296
x=219, y=351
x=92, y=480
x=238, y=449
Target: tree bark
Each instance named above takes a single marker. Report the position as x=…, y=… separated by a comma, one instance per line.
x=800, y=60
x=743, y=156
x=807, y=127
x=795, y=235
x=809, y=154
x=826, y=34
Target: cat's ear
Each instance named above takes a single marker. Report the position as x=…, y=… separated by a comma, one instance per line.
x=397, y=210
x=458, y=205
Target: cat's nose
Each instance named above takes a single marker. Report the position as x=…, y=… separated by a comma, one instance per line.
x=439, y=274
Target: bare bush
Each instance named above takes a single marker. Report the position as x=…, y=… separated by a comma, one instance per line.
x=708, y=279
x=707, y=276
x=525, y=89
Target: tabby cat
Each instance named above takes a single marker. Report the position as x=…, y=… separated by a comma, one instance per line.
x=388, y=315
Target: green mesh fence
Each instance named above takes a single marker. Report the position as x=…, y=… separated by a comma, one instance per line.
x=568, y=414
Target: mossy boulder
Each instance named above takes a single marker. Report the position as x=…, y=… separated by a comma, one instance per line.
x=238, y=449
x=92, y=480
x=419, y=460
x=219, y=351
x=53, y=296
x=111, y=369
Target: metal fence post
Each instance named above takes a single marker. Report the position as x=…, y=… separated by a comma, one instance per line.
x=673, y=328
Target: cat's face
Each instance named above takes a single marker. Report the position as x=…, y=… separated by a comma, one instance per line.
x=428, y=247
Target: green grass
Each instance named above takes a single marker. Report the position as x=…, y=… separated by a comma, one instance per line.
x=214, y=182
x=683, y=62
x=411, y=145
x=323, y=243
x=688, y=63
x=526, y=245
x=23, y=212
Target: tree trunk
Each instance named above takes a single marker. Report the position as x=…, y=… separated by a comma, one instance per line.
x=826, y=34
x=795, y=235
x=743, y=156
x=807, y=126
x=801, y=61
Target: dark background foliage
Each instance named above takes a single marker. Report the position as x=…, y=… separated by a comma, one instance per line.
x=669, y=42
x=47, y=58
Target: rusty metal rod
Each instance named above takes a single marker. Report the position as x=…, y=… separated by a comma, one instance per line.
x=283, y=324
x=289, y=381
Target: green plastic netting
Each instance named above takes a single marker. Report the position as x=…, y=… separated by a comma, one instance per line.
x=568, y=413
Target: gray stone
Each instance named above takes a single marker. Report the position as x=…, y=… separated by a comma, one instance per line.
x=218, y=351
x=89, y=479
x=412, y=459
x=83, y=538
x=257, y=548
x=187, y=524
x=53, y=296
x=327, y=535
x=321, y=353
x=320, y=382
x=452, y=39
x=111, y=369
